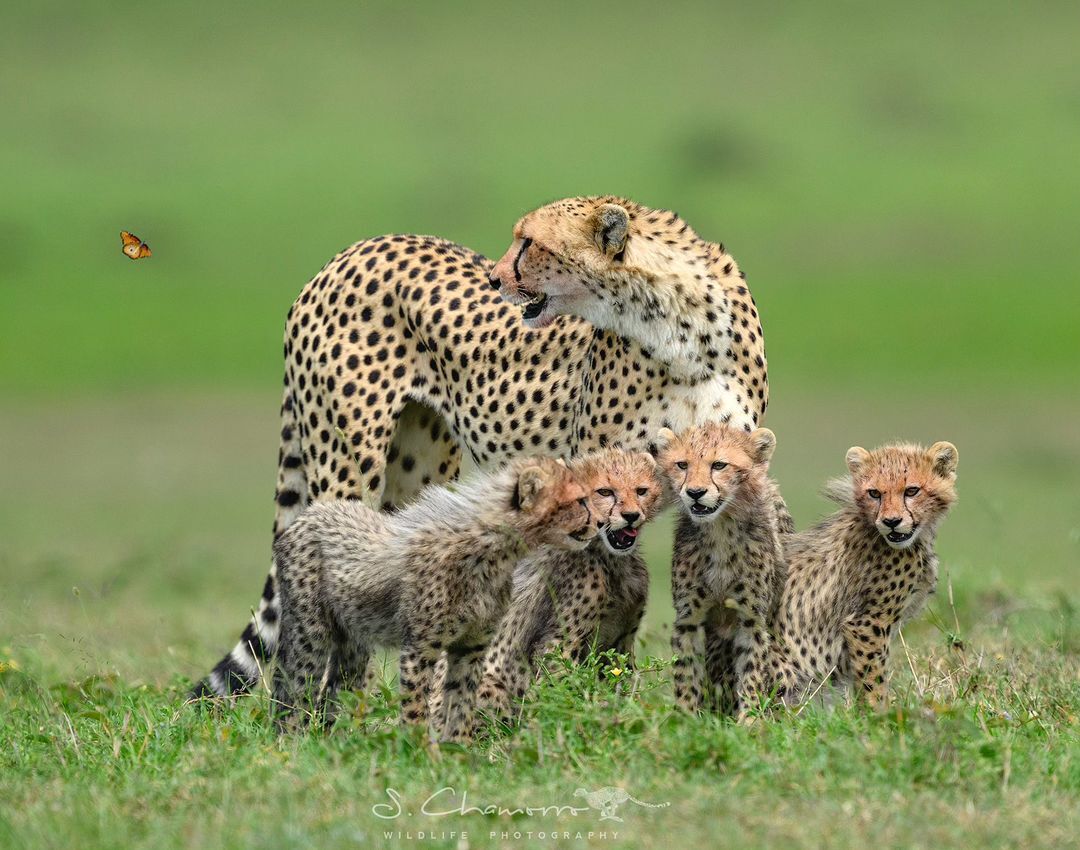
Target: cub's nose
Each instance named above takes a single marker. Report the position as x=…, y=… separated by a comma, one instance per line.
x=631, y=518
x=494, y=281
x=892, y=522
x=696, y=493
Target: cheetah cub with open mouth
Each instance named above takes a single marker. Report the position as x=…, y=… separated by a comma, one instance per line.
x=727, y=567
x=570, y=602
x=435, y=576
x=860, y=573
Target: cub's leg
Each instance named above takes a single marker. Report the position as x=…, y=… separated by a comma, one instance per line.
x=720, y=666
x=688, y=638
x=751, y=655
x=506, y=676
x=464, y=668
x=688, y=671
x=417, y=661
x=866, y=641
x=306, y=674
x=578, y=600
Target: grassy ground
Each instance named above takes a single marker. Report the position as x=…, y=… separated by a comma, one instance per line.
x=900, y=185
x=126, y=567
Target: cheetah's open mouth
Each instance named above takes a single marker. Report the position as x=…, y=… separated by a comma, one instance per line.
x=536, y=306
x=698, y=509
x=898, y=536
x=622, y=538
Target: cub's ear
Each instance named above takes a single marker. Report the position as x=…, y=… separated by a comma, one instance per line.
x=944, y=457
x=610, y=229
x=856, y=457
x=561, y=462
x=664, y=438
x=531, y=481
x=649, y=458
x=764, y=442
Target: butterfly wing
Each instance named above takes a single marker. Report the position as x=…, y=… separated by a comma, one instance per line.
x=134, y=247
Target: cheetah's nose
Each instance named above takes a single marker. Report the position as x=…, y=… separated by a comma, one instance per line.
x=892, y=522
x=696, y=493
x=631, y=518
x=494, y=281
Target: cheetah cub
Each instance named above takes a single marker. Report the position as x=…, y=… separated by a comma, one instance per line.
x=727, y=566
x=433, y=577
x=864, y=570
x=571, y=601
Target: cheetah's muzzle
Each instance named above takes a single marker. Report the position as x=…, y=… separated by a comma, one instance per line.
x=622, y=538
x=899, y=536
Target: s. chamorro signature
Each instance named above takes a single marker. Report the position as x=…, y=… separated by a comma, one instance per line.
x=447, y=802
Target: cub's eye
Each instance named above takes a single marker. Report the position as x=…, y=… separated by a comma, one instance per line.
x=911, y=491
x=719, y=464
x=682, y=464
x=642, y=491
x=874, y=494
x=605, y=492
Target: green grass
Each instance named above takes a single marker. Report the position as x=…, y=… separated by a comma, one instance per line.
x=127, y=563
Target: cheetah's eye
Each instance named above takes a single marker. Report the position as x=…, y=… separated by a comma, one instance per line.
x=719, y=464
x=911, y=491
x=874, y=494
x=681, y=464
x=642, y=491
x=605, y=492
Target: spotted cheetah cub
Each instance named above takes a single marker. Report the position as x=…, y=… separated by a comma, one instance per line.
x=433, y=577
x=727, y=567
x=569, y=602
x=861, y=572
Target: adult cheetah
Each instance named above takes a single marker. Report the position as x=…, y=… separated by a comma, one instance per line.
x=400, y=357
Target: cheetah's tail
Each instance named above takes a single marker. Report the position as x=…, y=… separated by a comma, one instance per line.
x=240, y=670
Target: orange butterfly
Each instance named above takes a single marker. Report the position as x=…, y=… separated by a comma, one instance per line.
x=134, y=247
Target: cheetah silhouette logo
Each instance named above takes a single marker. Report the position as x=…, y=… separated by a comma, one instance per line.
x=606, y=800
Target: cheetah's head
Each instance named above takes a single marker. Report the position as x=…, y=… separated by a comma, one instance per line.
x=903, y=490
x=552, y=506
x=564, y=258
x=624, y=494
x=709, y=466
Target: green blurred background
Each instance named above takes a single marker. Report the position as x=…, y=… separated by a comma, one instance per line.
x=901, y=184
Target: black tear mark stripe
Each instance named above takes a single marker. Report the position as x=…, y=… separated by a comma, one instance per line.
x=525, y=243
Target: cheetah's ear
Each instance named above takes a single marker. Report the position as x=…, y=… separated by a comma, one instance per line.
x=944, y=457
x=610, y=229
x=856, y=457
x=530, y=482
x=664, y=438
x=764, y=442
x=561, y=462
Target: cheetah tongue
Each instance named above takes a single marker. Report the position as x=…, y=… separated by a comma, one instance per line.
x=623, y=538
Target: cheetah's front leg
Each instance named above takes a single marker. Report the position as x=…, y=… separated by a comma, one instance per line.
x=464, y=668
x=751, y=648
x=688, y=671
x=867, y=643
x=417, y=674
